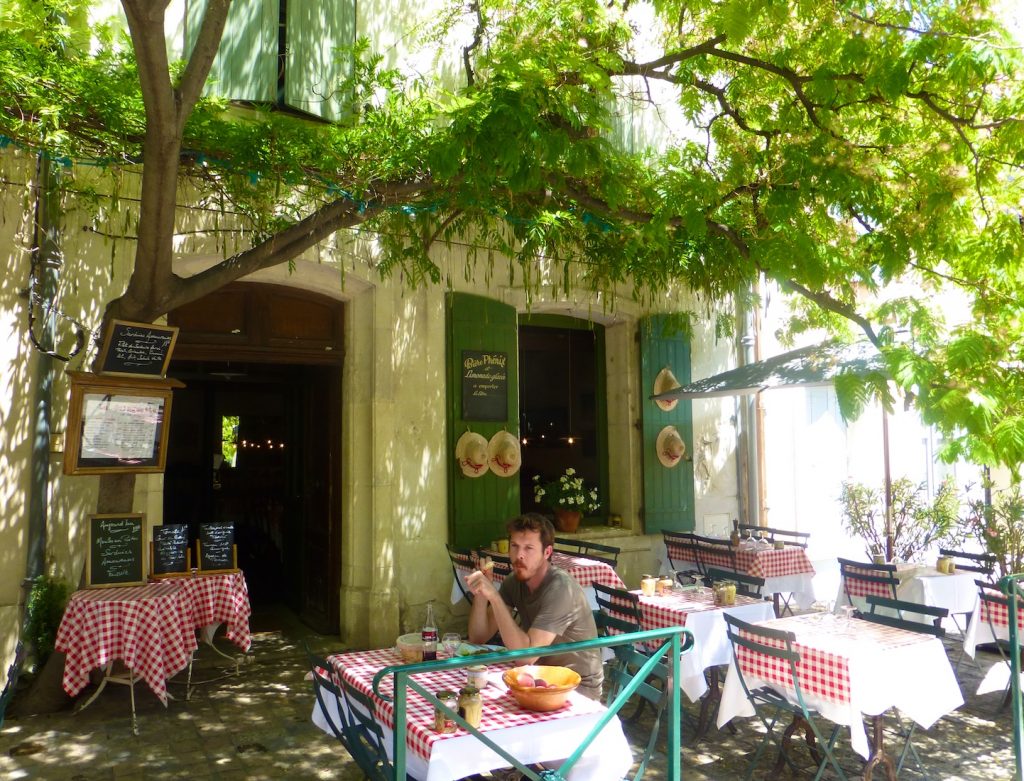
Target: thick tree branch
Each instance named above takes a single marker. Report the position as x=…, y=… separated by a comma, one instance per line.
x=825, y=301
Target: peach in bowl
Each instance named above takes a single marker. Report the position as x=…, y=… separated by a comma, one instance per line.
x=540, y=687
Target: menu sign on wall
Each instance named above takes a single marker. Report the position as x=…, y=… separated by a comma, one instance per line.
x=139, y=349
x=115, y=555
x=484, y=385
x=169, y=554
x=217, y=547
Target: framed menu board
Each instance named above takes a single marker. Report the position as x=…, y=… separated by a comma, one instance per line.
x=215, y=548
x=137, y=349
x=169, y=554
x=115, y=554
x=117, y=424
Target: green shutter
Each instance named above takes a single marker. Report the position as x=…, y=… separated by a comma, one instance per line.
x=245, y=67
x=314, y=67
x=478, y=507
x=668, y=493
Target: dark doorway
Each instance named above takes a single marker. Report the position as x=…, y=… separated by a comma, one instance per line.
x=255, y=438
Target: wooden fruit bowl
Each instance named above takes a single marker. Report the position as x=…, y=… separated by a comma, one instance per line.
x=560, y=680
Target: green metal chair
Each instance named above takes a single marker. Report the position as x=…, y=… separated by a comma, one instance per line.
x=861, y=578
x=349, y=715
x=768, y=704
x=896, y=619
x=683, y=546
x=747, y=585
x=609, y=554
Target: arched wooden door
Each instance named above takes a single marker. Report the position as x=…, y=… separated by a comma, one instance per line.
x=256, y=438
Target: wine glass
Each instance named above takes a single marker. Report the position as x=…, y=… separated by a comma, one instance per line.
x=450, y=642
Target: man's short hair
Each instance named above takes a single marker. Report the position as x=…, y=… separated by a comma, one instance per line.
x=533, y=522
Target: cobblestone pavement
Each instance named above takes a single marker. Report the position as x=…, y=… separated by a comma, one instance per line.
x=256, y=725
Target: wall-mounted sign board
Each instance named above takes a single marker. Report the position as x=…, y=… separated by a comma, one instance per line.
x=215, y=549
x=169, y=553
x=117, y=424
x=137, y=349
x=484, y=385
x=116, y=552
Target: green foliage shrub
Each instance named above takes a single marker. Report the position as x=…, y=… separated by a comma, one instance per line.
x=46, y=602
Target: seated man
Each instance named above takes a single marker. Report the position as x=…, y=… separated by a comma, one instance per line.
x=552, y=607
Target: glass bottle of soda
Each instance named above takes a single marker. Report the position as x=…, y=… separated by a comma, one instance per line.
x=429, y=635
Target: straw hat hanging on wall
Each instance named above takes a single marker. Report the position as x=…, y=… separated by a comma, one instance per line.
x=670, y=447
x=503, y=456
x=471, y=453
x=664, y=382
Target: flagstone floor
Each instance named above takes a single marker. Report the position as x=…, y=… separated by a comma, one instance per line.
x=256, y=726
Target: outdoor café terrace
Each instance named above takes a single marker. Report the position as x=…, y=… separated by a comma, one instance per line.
x=254, y=720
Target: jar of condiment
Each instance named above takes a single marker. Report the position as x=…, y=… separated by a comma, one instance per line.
x=665, y=585
x=442, y=721
x=648, y=585
x=471, y=705
x=476, y=676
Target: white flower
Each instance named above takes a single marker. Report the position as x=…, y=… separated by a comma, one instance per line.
x=570, y=471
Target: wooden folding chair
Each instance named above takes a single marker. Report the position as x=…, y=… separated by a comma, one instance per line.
x=714, y=554
x=994, y=609
x=747, y=585
x=609, y=554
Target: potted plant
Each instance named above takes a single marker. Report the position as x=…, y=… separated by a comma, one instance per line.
x=568, y=497
x=917, y=522
x=1000, y=527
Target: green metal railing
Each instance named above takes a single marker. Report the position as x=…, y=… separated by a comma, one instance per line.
x=1010, y=586
x=674, y=641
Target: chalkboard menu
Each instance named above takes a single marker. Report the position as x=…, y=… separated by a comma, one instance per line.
x=137, y=348
x=484, y=385
x=116, y=555
x=216, y=547
x=170, y=555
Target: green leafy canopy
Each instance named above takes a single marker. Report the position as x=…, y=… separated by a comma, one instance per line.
x=836, y=149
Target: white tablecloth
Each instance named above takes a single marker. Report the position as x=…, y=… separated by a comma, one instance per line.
x=711, y=641
x=879, y=667
x=957, y=592
x=608, y=758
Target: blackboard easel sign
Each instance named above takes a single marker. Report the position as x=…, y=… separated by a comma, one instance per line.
x=169, y=553
x=215, y=549
x=116, y=553
x=137, y=349
x=484, y=385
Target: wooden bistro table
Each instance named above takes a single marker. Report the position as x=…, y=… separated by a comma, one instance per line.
x=849, y=668
x=527, y=735
x=150, y=628
x=584, y=571
x=786, y=570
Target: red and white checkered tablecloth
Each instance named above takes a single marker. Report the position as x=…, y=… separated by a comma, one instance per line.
x=148, y=627
x=584, y=571
x=998, y=614
x=823, y=668
x=761, y=563
x=848, y=669
x=500, y=710
x=862, y=588
x=220, y=599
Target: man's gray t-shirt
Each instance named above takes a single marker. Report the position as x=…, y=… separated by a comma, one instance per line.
x=559, y=606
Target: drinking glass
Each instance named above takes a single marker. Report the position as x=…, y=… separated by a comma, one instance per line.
x=450, y=642
x=847, y=612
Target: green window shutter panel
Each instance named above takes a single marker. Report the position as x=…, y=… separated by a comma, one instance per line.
x=668, y=493
x=314, y=67
x=478, y=507
x=245, y=67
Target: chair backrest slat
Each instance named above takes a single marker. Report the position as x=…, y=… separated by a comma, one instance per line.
x=860, y=578
x=979, y=563
x=748, y=585
x=788, y=536
x=901, y=607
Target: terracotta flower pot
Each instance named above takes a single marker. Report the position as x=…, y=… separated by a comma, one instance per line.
x=567, y=520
